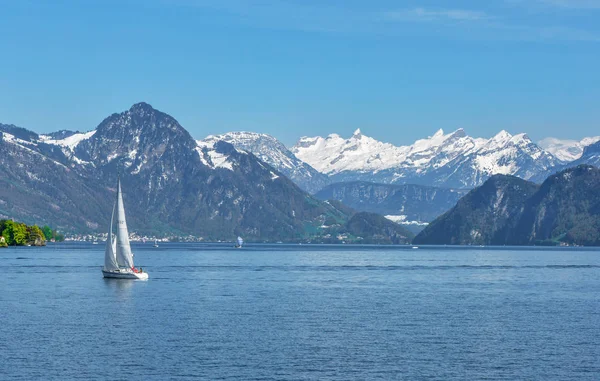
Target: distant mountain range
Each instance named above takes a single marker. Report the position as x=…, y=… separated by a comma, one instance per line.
x=172, y=183
x=507, y=210
x=274, y=153
x=237, y=183
x=453, y=160
x=567, y=150
x=411, y=205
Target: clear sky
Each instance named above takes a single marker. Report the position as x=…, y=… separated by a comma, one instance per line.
x=399, y=70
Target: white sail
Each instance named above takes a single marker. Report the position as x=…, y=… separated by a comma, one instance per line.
x=110, y=260
x=240, y=241
x=124, y=256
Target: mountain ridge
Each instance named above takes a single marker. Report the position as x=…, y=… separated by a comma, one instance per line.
x=273, y=152
x=453, y=160
x=171, y=183
x=407, y=204
x=507, y=210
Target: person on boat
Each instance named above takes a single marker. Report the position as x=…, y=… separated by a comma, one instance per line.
x=141, y=270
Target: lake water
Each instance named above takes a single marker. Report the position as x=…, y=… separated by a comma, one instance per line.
x=301, y=313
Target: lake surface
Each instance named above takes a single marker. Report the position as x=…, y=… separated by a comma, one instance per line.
x=299, y=312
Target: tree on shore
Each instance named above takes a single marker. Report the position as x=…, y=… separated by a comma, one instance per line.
x=19, y=234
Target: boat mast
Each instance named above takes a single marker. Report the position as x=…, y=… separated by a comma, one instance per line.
x=110, y=260
x=124, y=256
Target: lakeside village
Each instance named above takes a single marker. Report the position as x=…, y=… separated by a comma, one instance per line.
x=133, y=237
x=14, y=233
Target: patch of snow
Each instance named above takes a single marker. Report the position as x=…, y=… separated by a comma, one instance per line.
x=72, y=141
x=215, y=159
x=402, y=219
x=565, y=149
x=9, y=138
x=451, y=155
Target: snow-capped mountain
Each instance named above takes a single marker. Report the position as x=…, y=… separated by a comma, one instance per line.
x=450, y=160
x=172, y=184
x=567, y=150
x=589, y=156
x=274, y=153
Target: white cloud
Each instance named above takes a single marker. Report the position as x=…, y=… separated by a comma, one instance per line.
x=453, y=22
x=423, y=14
x=575, y=4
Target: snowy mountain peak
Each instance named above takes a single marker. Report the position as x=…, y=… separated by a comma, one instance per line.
x=565, y=149
x=241, y=138
x=357, y=134
x=438, y=133
x=502, y=136
x=273, y=152
x=215, y=155
x=454, y=159
x=460, y=133
x=70, y=142
x=141, y=108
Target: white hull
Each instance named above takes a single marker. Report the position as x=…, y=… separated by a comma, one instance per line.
x=124, y=274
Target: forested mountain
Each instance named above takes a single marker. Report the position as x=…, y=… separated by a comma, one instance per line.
x=506, y=210
x=172, y=184
x=406, y=204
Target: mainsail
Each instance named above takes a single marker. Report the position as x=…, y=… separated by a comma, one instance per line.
x=240, y=241
x=110, y=260
x=123, y=252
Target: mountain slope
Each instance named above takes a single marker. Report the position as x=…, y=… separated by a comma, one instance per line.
x=567, y=150
x=377, y=229
x=172, y=184
x=274, y=153
x=590, y=155
x=566, y=208
x=450, y=160
x=482, y=216
x=507, y=210
x=406, y=203
x=38, y=186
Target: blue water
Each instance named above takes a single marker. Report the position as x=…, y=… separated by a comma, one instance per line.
x=301, y=313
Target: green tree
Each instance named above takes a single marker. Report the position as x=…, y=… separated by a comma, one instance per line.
x=47, y=232
x=58, y=237
x=20, y=234
x=8, y=232
x=36, y=236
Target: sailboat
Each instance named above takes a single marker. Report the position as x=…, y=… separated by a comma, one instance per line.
x=155, y=243
x=240, y=242
x=118, y=258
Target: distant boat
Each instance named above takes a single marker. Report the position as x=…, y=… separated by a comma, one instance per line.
x=155, y=243
x=95, y=243
x=118, y=258
x=240, y=242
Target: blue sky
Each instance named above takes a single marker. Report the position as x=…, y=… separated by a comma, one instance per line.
x=399, y=70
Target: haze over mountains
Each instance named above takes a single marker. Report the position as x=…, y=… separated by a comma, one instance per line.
x=274, y=153
x=453, y=160
x=507, y=210
x=239, y=183
x=172, y=184
x=567, y=150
